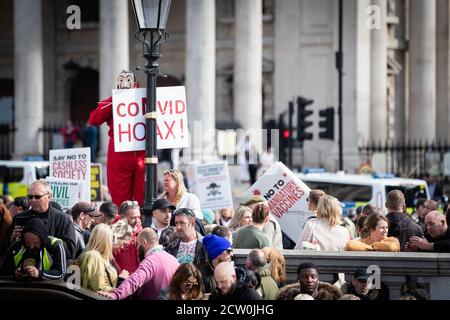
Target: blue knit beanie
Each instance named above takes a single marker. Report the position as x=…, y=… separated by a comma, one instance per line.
x=215, y=245
x=208, y=215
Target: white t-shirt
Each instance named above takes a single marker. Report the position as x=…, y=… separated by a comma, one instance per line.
x=186, y=251
x=191, y=201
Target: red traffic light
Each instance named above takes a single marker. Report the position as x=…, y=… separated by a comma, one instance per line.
x=286, y=134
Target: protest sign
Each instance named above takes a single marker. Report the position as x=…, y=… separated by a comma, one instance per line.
x=66, y=192
x=211, y=183
x=72, y=164
x=286, y=196
x=129, y=108
x=96, y=182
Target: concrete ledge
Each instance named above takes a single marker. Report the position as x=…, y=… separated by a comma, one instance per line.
x=432, y=269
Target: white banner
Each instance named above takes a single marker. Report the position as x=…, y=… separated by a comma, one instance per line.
x=129, y=107
x=66, y=192
x=211, y=183
x=286, y=195
x=72, y=164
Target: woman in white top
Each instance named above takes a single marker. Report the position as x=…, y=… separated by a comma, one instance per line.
x=325, y=232
x=175, y=192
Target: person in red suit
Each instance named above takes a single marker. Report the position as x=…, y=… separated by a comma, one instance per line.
x=125, y=171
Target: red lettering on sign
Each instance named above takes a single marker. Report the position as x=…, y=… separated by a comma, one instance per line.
x=134, y=106
x=180, y=106
x=170, y=129
x=144, y=105
x=134, y=131
x=124, y=132
x=118, y=109
x=167, y=104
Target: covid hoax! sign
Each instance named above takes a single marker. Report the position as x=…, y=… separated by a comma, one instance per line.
x=286, y=196
x=72, y=164
x=129, y=107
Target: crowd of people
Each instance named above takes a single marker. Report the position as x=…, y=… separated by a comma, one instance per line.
x=187, y=253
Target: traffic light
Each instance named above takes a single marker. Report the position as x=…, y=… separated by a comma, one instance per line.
x=327, y=123
x=284, y=136
x=302, y=115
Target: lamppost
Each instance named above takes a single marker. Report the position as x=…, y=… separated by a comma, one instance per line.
x=151, y=17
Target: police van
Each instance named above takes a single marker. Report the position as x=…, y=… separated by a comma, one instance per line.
x=358, y=190
x=16, y=176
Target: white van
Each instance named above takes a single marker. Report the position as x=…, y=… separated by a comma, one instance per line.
x=357, y=190
x=16, y=176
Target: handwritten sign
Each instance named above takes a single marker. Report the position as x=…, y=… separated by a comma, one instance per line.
x=129, y=108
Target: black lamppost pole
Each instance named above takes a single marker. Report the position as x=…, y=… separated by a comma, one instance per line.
x=151, y=17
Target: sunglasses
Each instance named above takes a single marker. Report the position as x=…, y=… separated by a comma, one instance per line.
x=191, y=284
x=88, y=210
x=37, y=197
x=184, y=211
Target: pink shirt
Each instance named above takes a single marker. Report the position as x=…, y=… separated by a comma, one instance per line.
x=153, y=274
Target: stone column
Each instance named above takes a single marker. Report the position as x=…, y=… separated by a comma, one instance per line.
x=287, y=50
x=114, y=54
x=29, y=78
x=422, y=75
x=442, y=71
x=248, y=64
x=378, y=76
x=200, y=77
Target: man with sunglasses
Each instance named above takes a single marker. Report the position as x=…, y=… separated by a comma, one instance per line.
x=188, y=246
x=58, y=224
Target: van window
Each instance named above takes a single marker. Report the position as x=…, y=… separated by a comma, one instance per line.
x=11, y=174
x=412, y=193
x=343, y=191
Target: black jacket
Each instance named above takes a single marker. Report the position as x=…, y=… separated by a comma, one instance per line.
x=55, y=251
x=241, y=291
x=59, y=225
x=402, y=227
x=442, y=244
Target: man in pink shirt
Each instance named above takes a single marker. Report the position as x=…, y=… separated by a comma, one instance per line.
x=155, y=271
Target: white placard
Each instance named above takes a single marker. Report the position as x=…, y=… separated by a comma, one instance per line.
x=129, y=107
x=211, y=183
x=72, y=164
x=286, y=195
x=66, y=192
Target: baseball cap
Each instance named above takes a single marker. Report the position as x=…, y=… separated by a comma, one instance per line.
x=361, y=274
x=85, y=207
x=162, y=204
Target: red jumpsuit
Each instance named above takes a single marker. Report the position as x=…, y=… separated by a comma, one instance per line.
x=125, y=171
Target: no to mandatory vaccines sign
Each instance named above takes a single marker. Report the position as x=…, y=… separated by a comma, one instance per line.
x=129, y=107
x=72, y=164
x=286, y=196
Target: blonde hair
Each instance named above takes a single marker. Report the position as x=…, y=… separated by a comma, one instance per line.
x=178, y=177
x=237, y=217
x=277, y=265
x=101, y=240
x=121, y=232
x=329, y=209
